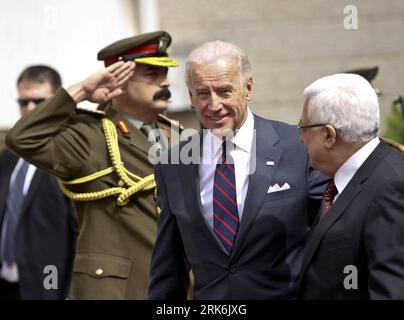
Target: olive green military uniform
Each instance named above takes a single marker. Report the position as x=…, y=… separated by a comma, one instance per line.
x=116, y=236
x=115, y=242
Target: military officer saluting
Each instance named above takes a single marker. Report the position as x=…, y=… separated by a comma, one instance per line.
x=101, y=161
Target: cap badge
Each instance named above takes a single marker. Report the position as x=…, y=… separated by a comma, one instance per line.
x=163, y=44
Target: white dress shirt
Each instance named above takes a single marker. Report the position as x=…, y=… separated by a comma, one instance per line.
x=10, y=272
x=346, y=172
x=241, y=153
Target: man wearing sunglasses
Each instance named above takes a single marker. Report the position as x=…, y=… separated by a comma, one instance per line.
x=37, y=224
x=36, y=84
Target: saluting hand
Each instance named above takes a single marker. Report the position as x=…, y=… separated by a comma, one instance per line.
x=104, y=84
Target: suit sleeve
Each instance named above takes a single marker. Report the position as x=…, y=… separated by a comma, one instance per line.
x=384, y=242
x=169, y=275
x=50, y=138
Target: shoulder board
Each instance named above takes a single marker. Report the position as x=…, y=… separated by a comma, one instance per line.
x=171, y=122
x=92, y=112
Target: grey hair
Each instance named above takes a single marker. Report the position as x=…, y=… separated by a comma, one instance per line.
x=213, y=50
x=346, y=101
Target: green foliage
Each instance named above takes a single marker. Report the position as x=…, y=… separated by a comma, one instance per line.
x=394, y=128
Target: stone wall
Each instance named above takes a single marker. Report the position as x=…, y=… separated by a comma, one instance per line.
x=292, y=42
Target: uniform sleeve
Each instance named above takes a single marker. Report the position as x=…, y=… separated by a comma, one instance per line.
x=383, y=238
x=169, y=276
x=51, y=137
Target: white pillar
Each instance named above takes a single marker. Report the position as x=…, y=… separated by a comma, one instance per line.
x=149, y=15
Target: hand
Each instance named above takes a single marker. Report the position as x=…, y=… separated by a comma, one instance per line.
x=103, y=85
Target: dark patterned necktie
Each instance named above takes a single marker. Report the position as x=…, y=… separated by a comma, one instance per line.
x=13, y=212
x=225, y=211
x=328, y=198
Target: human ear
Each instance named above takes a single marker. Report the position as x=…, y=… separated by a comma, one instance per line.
x=330, y=136
x=249, y=91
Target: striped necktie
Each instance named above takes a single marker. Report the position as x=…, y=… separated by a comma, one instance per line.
x=225, y=211
x=13, y=212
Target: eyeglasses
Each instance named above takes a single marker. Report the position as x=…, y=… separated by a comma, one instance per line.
x=300, y=126
x=25, y=102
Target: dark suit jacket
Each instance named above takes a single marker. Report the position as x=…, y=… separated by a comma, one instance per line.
x=45, y=234
x=364, y=228
x=268, y=252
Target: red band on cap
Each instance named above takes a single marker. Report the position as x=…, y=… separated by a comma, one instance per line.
x=145, y=49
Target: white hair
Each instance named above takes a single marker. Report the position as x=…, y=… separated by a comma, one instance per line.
x=213, y=50
x=347, y=102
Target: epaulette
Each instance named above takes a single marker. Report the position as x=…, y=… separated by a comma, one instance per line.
x=92, y=112
x=171, y=122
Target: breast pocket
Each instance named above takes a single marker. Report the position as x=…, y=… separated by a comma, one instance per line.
x=337, y=243
x=278, y=195
x=100, y=276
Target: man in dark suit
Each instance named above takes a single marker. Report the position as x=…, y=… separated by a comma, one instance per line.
x=356, y=250
x=38, y=227
x=238, y=216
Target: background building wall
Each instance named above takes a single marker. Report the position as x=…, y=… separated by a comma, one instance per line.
x=63, y=34
x=291, y=43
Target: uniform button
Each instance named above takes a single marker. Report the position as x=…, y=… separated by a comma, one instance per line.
x=233, y=269
x=99, y=272
x=121, y=183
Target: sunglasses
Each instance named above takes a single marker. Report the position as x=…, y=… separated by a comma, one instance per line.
x=24, y=102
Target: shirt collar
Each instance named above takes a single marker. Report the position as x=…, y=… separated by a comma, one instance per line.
x=243, y=138
x=346, y=172
x=133, y=121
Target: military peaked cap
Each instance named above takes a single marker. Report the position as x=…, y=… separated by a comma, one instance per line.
x=148, y=48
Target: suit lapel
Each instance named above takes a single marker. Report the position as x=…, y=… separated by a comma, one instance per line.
x=5, y=180
x=343, y=201
x=33, y=187
x=266, y=137
x=8, y=162
x=138, y=140
x=134, y=137
x=337, y=209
